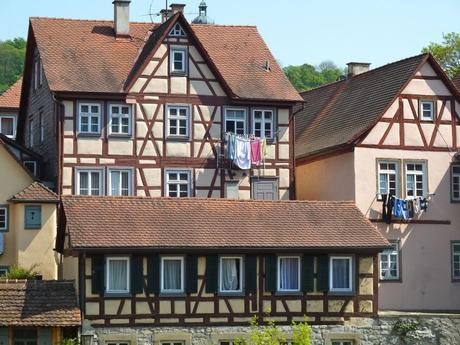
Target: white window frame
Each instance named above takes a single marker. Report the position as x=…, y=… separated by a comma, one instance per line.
x=350, y=265
x=120, y=116
x=432, y=110
x=120, y=171
x=172, y=291
x=183, y=51
x=455, y=176
x=245, y=121
x=5, y=209
x=34, y=172
x=388, y=253
x=221, y=259
x=107, y=274
x=278, y=272
x=177, y=117
x=454, y=254
x=89, y=171
x=177, y=31
x=90, y=115
x=262, y=122
x=389, y=172
x=423, y=173
x=14, y=125
x=179, y=182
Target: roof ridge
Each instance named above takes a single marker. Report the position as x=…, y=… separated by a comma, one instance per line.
x=84, y=20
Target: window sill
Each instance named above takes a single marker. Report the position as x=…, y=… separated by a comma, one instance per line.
x=173, y=294
x=177, y=138
x=117, y=294
x=288, y=293
x=225, y=294
x=4, y=230
x=399, y=280
x=32, y=228
x=119, y=136
x=178, y=74
x=341, y=293
x=88, y=135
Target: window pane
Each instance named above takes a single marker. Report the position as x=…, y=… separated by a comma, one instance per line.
x=7, y=126
x=289, y=273
x=95, y=183
x=115, y=110
x=115, y=183
x=84, y=183
x=340, y=274
x=172, y=274
x=230, y=276
x=94, y=109
x=118, y=270
x=3, y=218
x=84, y=108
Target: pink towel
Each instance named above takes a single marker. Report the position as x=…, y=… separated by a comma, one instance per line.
x=255, y=152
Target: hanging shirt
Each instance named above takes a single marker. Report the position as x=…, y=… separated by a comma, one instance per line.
x=256, y=152
x=231, y=143
x=417, y=208
x=398, y=208
x=384, y=207
x=390, y=204
x=405, y=209
x=423, y=204
x=243, y=153
x=263, y=148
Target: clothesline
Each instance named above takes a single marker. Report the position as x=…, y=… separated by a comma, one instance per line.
x=246, y=151
x=402, y=208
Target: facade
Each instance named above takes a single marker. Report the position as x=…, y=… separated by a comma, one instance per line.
x=400, y=138
x=28, y=214
x=9, y=109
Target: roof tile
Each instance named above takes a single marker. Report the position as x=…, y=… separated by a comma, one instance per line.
x=12, y=97
x=36, y=192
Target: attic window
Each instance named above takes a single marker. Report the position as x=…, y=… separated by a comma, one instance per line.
x=177, y=31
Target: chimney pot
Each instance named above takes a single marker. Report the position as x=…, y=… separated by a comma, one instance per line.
x=121, y=17
x=355, y=68
x=175, y=8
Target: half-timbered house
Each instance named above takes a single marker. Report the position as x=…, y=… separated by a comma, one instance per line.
x=392, y=133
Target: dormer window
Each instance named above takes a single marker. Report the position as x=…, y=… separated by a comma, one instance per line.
x=177, y=31
x=427, y=110
x=178, y=61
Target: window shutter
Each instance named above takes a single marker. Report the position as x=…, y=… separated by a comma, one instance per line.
x=322, y=273
x=307, y=274
x=270, y=273
x=191, y=274
x=3, y=336
x=97, y=274
x=153, y=274
x=211, y=275
x=250, y=274
x=137, y=274
x=45, y=336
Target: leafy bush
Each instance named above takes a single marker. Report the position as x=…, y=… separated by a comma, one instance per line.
x=18, y=272
x=69, y=341
x=405, y=327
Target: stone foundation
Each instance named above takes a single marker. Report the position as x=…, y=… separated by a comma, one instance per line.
x=432, y=329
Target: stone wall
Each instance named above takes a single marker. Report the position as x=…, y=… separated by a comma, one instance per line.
x=432, y=329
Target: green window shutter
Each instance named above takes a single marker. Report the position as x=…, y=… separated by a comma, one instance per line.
x=97, y=274
x=191, y=274
x=211, y=275
x=45, y=336
x=3, y=335
x=270, y=273
x=250, y=274
x=322, y=273
x=137, y=274
x=308, y=273
x=153, y=274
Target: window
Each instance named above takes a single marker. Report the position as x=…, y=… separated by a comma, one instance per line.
x=415, y=180
x=36, y=72
x=231, y=274
x=32, y=217
x=31, y=166
x=427, y=110
x=31, y=132
x=288, y=273
x=120, y=119
x=3, y=270
x=89, y=182
x=40, y=72
x=178, y=61
x=42, y=127
x=389, y=263
x=172, y=279
x=388, y=172
x=172, y=343
x=120, y=182
x=264, y=188
x=89, y=118
x=343, y=342
x=340, y=274
x=3, y=218
x=178, y=184
x=25, y=336
x=178, y=121
x=235, y=121
x=455, y=182
x=8, y=126
x=177, y=31
x=232, y=190
x=226, y=342
x=262, y=124
x=456, y=260
x=117, y=275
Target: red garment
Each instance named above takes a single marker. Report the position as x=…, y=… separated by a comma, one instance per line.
x=255, y=152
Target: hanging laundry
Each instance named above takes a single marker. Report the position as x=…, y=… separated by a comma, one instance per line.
x=424, y=204
x=243, y=153
x=417, y=208
x=384, y=207
x=390, y=205
x=405, y=209
x=231, y=149
x=398, y=211
x=263, y=148
x=256, y=151
x=410, y=207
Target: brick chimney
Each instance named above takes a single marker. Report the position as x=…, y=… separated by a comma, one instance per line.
x=355, y=68
x=175, y=8
x=121, y=18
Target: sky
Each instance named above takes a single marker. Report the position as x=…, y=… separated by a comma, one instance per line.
x=297, y=31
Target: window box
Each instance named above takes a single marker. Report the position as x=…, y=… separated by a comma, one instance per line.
x=117, y=275
x=288, y=279
x=172, y=275
x=32, y=217
x=341, y=274
x=231, y=274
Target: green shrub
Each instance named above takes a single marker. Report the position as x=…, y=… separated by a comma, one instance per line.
x=69, y=341
x=18, y=272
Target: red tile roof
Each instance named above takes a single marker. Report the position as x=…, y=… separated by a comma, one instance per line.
x=38, y=303
x=456, y=80
x=34, y=193
x=164, y=223
x=12, y=97
x=83, y=56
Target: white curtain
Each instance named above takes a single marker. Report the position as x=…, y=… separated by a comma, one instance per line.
x=340, y=274
x=117, y=275
x=172, y=275
x=115, y=183
x=230, y=274
x=289, y=273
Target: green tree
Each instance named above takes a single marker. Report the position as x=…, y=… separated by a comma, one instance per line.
x=12, y=54
x=447, y=53
x=306, y=77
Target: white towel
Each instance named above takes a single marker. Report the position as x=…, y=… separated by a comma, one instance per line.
x=243, y=153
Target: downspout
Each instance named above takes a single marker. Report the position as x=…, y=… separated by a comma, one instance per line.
x=81, y=286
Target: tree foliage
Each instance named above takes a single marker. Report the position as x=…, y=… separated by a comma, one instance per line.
x=306, y=77
x=12, y=54
x=447, y=53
